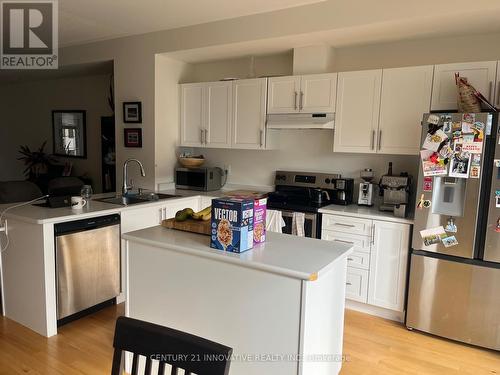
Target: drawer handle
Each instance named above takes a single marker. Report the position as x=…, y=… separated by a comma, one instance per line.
x=345, y=225
x=349, y=242
x=350, y=259
x=348, y=283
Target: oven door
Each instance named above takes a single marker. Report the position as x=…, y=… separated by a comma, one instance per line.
x=310, y=223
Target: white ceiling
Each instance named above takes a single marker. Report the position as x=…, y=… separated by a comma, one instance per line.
x=411, y=28
x=82, y=21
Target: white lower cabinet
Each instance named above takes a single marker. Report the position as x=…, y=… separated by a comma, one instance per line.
x=376, y=269
x=388, y=265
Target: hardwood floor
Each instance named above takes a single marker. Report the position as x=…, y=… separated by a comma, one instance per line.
x=372, y=346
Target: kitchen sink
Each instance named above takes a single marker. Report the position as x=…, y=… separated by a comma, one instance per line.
x=136, y=199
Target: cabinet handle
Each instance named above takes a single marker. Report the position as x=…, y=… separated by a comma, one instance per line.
x=261, y=137
x=160, y=216
x=201, y=135
x=379, y=139
x=344, y=225
x=348, y=283
x=350, y=259
x=295, y=101
x=206, y=136
x=373, y=234
x=490, y=91
x=349, y=242
x=301, y=100
x=372, y=145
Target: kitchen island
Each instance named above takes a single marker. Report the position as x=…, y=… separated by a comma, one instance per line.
x=280, y=306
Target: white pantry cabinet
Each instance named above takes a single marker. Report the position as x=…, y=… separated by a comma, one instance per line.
x=224, y=114
x=313, y=93
x=482, y=75
x=249, y=114
x=388, y=265
x=357, y=111
x=376, y=270
x=406, y=96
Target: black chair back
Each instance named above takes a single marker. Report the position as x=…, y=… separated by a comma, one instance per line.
x=179, y=350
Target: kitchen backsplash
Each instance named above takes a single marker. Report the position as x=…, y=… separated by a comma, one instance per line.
x=302, y=150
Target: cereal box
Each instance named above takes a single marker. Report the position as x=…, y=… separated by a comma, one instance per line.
x=232, y=224
x=259, y=212
x=259, y=220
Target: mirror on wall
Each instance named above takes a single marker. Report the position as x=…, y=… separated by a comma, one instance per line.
x=69, y=133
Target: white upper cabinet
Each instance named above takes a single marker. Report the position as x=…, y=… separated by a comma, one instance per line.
x=318, y=93
x=249, y=113
x=406, y=96
x=218, y=105
x=224, y=114
x=283, y=95
x=388, y=265
x=307, y=94
x=482, y=75
x=357, y=111
x=192, y=115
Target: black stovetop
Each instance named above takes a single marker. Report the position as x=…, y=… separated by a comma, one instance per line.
x=294, y=199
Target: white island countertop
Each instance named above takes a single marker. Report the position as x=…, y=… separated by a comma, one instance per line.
x=364, y=212
x=292, y=256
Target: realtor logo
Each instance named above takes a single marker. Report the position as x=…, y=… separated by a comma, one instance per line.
x=29, y=37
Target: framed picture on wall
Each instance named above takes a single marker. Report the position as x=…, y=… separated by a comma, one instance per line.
x=132, y=112
x=69, y=133
x=133, y=137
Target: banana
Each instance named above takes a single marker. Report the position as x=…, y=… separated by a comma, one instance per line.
x=203, y=213
x=206, y=216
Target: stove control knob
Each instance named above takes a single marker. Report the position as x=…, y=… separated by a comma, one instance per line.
x=327, y=180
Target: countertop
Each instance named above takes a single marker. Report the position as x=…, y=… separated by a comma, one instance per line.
x=364, y=212
x=292, y=256
x=43, y=215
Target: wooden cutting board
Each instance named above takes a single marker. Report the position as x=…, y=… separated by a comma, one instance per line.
x=190, y=225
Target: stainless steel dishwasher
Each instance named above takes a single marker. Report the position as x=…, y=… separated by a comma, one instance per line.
x=87, y=264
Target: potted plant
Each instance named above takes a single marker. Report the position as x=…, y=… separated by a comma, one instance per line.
x=37, y=162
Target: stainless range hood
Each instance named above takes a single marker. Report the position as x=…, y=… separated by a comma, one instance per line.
x=301, y=121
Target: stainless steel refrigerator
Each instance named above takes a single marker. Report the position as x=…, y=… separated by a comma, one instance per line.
x=454, y=282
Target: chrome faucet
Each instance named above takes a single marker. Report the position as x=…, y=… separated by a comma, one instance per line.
x=126, y=187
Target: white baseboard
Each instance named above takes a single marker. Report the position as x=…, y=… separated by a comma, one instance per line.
x=397, y=316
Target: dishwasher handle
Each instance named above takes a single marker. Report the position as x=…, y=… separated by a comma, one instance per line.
x=86, y=224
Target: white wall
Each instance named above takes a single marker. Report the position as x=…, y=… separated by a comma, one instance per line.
x=168, y=73
x=26, y=110
x=266, y=65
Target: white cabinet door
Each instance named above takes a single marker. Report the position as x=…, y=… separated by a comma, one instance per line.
x=406, y=96
x=283, y=94
x=481, y=75
x=356, y=284
x=192, y=114
x=218, y=107
x=388, y=264
x=357, y=111
x=249, y=113
x=318, y=93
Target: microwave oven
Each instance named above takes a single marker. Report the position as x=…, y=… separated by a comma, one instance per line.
x=202, y=179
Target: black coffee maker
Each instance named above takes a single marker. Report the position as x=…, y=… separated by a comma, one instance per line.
x=343, y=191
